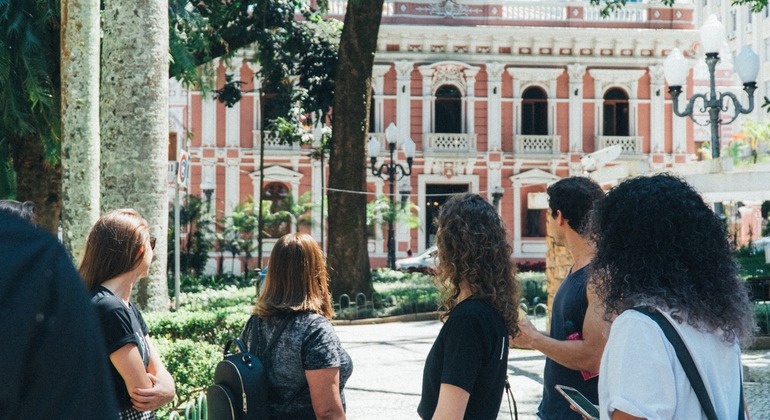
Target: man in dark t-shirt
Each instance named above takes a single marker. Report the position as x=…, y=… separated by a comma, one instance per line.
x=52, y=359
x=578, y=329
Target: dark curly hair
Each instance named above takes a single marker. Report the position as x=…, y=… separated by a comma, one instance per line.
x=659, y=244
x=472, y=246
x=574, y=196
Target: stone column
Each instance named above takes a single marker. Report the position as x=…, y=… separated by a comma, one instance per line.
x=576, y=73
x=232, y=184
x=470, y=100
x=494, y=105
x=516, y=104
x=233, y=114
x=427, y=102
x=657, y=125
x=403, y=96
x=378, y=86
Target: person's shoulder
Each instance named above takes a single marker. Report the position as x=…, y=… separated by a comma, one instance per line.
x=106, y=302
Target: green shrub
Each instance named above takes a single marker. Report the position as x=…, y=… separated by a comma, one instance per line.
x=752, y=264
x=762, y=316
x=212, y=327
x=533, y=285
x=194, y=284
x=229, y=298
x=191, y=364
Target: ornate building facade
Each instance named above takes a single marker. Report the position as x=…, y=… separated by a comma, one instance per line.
x=500, y=96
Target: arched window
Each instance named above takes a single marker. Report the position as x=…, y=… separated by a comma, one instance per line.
x=534, y=112
x=275, y=225
x=448, y=110
x=615, y=113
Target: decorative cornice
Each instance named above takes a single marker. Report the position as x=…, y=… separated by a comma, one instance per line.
x=576, y=72
x=495, y=70
x=404, y=69
x=534, y=75
x=616, y=76
x=656, y=75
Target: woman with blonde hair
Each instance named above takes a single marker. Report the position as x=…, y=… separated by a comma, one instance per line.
x=117, y=254
x=306, y=366
x=465, y=371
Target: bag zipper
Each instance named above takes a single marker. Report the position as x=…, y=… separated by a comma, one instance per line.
x=243, y=390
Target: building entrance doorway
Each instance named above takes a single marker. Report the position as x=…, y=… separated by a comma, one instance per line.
x=435, y=196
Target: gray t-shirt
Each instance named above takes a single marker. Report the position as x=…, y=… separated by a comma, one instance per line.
x=308, y=343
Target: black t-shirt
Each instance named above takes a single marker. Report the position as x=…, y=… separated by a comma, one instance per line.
x=121, y=325
x=569, y=310
x=470, y=352
x=52, y=359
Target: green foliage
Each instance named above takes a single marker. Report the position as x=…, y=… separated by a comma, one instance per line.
x=752, y=263
x=380, y=211
x=29, y=78
x=191, y=364
x=215, y=326
x=762, y=317
x=297, y=58
x=196, y=243
x=396, y=293
x=195, y=284
x=611, y=6
x=533, y=286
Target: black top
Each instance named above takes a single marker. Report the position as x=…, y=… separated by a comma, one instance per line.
x=470, y=352
x=307, y=343
x=52, y=360
x=121, y=325
x=569, y=310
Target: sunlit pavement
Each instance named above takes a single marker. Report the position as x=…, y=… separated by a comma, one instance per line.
x=389, y=358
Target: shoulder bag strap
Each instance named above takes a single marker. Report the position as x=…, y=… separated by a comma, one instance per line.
x=277, y=333
x=685, y=359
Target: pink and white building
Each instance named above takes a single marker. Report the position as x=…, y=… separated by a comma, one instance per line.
x=499, y=95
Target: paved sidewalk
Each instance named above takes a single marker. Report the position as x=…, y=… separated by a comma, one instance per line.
x=389, y=358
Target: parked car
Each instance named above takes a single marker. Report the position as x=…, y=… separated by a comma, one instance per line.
x=423, y=262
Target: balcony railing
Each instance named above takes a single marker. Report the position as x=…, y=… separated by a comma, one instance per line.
x=272, y=142
x=449, y=142
x=631, y=145
x=529, y=144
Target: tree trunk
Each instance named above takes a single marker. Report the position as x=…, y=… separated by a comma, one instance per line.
x=38, y=180
x=134, y=118
x=348, y=251
x=79, y=121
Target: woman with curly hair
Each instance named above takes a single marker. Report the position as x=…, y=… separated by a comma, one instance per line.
x=465, y=371
x=661, y=247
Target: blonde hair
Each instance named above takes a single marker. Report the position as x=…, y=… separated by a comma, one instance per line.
x=114, y=246
x=296, y=279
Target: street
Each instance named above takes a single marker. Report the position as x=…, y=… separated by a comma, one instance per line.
x=388, y=360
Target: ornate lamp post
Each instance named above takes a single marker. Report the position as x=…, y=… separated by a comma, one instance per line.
x=676, y=68
x=208, y=188
x=394, y=172
x=497, y=194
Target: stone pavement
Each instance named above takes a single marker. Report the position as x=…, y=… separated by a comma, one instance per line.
x=388, y=361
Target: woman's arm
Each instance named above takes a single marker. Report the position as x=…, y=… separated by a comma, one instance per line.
x=619, y=415
x=129, y=364
x=162, y=388
x=324, y=387
x=452, y=402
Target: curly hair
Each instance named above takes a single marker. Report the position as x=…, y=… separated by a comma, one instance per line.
x=574, y=197
x=659, y=244
x=472, y=247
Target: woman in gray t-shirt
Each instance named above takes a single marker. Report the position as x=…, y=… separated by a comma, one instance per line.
x=307, y=366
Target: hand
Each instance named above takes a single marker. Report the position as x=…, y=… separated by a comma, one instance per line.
x=150, y=399
x=527, y=332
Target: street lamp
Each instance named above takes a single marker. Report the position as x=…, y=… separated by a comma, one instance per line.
x=394, y=173
x=497, y=194
x=676, y=68
x=208, y=188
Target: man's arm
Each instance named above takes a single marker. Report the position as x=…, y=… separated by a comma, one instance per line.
x=584, y=354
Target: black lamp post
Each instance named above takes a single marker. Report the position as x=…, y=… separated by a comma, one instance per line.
x=497, y=194
x=394, y=172
x=676, y=68
x=208, y=188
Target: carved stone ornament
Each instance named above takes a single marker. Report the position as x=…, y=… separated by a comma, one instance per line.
x=449, y=168
x=451, y=74
x=450, y=9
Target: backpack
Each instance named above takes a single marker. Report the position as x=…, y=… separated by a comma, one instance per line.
x=240, y=382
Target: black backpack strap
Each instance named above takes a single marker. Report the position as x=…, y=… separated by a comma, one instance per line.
x=685, y=359
x=276, y=334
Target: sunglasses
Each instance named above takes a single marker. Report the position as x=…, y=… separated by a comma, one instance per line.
x=152, y=242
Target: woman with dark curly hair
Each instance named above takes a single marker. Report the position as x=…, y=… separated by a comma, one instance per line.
x=660, y=246
x=465, y=370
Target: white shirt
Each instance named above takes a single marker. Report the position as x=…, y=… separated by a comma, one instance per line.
x=641, y=375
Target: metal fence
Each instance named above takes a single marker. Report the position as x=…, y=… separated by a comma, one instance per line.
x=193, y=410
